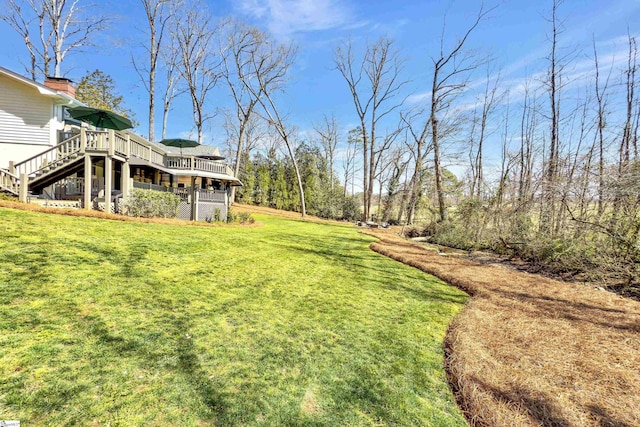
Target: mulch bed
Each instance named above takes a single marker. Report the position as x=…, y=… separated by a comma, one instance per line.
x=528, y=350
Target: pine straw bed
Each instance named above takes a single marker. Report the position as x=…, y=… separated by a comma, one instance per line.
x=531, y=351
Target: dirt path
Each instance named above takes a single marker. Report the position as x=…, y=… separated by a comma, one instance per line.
x=530, y=351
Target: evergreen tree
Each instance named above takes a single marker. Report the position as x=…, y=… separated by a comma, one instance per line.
x=98, y=90
x=263, y=181
x=247, y=177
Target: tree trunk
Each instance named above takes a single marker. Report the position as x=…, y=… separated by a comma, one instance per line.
x=165, y=116
x=297, y=170
x=442, y=209
x=236, y=168
x=152, y=83
x=365, y=173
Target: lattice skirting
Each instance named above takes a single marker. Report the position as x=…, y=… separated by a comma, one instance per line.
x=184, y=211
x=101, y=206
x=206, y=211
x=66, y=204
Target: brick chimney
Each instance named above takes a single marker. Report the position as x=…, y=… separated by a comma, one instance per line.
x=61, y=84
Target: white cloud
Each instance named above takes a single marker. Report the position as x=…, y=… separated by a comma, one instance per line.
x=285, y=17
x=418, y=98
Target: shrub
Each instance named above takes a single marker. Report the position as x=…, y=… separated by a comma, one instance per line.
x=217, y=215
x=8, y=197
x=231, y=216
x=351, y=209
x=413, y=231
x=244, y=217
x=150, y=204
x=453, y=234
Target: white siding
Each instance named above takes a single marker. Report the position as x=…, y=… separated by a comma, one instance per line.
x=25, y=116
x=18, y=152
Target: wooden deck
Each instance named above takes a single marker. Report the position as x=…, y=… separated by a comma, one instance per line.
x=82, y=150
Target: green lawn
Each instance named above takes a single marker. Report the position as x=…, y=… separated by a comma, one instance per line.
x=293, y=323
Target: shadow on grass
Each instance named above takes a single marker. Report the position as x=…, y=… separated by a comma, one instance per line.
x=345, y=253
x=190, y=368
x=35, y=261
x=128, y=259
x=180, y=346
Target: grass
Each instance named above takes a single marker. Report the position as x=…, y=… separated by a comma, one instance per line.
x=292, y=323
x=531, y=351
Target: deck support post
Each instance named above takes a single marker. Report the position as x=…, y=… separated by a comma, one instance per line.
x=108, y=173
x=23, y=191
x=125, y=182
x=87, y=182
x=194, y=199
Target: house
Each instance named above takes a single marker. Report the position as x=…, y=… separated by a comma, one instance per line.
x=31, y=114
x=49, y=158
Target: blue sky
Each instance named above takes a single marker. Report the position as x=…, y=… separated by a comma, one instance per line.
x=515, y=35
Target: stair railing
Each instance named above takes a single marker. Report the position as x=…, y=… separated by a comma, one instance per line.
x=49, y=158
x=9, y=181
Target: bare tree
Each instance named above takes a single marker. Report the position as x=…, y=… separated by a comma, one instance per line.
x=255, y=134
x=354, y=140
x=451, y=69
x=490, y=98
x=384, y=158
x=158, y=14
x=72, y=27
x=630, y=84
x=398, y=163
x=328, y=133
x=62, y=27
x=199, y=64
x=170, y=64
x=17, y=17
x=269, y=65
x=554, y=85
x=419, y=144
x=374, y=84
x=240, y=46
x=528, y=125
x=601, y=98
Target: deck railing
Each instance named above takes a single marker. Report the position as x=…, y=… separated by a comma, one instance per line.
x=195, y=163
x=157, y=157
x=120, y=142
x=213, y=196
x=111, y=142
x=150, y=186
x=9, y=181
x=96, y=139
x=216, y=196
x=147, y=152
x=139, y=150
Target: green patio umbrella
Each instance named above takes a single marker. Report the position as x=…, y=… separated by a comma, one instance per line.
x=179, y=142
x=100, y=118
